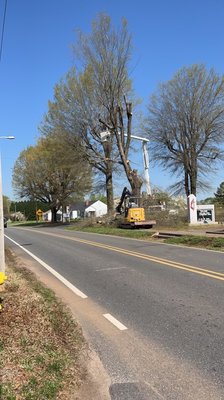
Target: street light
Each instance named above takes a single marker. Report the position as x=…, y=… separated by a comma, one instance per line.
x=2, y=245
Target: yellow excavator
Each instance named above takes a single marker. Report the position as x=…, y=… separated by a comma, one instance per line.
x=134, y=215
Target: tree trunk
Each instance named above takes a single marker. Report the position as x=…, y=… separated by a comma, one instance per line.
x=193, y=180
x=54, y=214
x=109, y=191
x=64, y=209
x=193, y=177
x=186, y=183
x=136, y=183
x=109, y=177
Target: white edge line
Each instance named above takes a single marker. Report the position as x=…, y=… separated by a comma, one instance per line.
x=115, y=322
x=52, y=271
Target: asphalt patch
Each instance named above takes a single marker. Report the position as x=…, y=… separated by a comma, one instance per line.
x=132, y=391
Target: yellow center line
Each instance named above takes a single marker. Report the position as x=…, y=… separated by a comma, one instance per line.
x=163, y=261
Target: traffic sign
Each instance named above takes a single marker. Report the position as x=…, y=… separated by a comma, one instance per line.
x=39, y=212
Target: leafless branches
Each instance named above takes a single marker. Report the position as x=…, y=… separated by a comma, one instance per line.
x=186, y=124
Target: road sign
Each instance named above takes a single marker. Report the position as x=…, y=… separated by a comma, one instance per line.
x=39, y=212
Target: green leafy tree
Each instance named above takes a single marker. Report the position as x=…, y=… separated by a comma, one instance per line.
x=219, y=195
x=186, y=125
x=6, y=206
x=101, y=197
x=28, y=208
x=51, y=172
x=207, y=200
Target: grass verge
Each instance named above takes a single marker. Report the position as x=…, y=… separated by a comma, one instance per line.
x=129, y=233
x=212, y=243
x=40, y=343
x=28, y=223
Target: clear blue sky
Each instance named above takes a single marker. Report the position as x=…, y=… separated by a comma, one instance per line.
x=167, y=34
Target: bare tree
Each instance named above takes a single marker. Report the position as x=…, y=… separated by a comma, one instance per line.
x=107, y=53
x=92, y=100
x=185, y=124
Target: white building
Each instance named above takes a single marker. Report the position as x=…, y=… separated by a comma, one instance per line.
x=80, y=210
x=96, y=209
x=87, y=209
x=48, y=215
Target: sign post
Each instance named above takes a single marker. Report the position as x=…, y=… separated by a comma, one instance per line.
x=206, y=214
x=192, y=209
x=200, y=214
x=39, y=214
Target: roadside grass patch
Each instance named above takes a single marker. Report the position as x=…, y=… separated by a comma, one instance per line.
x=40, y=344
x=104, y=230
x=198, y=241
x=27, y=223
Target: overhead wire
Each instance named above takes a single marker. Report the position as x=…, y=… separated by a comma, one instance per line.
x=3, y=29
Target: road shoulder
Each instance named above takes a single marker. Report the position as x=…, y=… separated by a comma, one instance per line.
x=95, y=382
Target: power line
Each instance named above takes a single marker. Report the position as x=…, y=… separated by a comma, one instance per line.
x=3, y=30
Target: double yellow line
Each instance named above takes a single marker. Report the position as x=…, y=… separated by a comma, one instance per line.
x=163, y=261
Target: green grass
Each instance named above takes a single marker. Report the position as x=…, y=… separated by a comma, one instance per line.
x=130, y=233
x=7, y=392
x=39, y=339
x=27, y=223
x=215, y=243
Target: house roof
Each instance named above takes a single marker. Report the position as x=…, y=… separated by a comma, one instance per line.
x=80, y=205
x=84, y=205
x=90, y=208
x=49, y=212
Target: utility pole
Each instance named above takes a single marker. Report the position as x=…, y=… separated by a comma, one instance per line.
x=106, y=134
x=146, y=167
x=145, y=162
x=2, y=243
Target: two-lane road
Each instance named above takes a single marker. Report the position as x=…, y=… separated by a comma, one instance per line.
x=153, y=312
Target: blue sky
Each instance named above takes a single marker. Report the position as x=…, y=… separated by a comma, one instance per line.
x=167, y=34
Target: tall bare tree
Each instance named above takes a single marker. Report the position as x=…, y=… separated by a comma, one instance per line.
x=107, y=53
x=185, y=124
x=93, y=100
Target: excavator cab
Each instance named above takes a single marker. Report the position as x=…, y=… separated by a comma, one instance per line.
x=134, y=215
x=132, y=210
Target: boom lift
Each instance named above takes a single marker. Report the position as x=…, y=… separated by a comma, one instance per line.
x=134, y=215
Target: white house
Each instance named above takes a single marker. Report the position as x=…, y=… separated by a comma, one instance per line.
x=80, y=210
x=48, y=214
x=96, y=209
x=87, y=209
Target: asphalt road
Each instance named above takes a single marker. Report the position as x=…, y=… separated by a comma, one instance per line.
x=153, y=312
